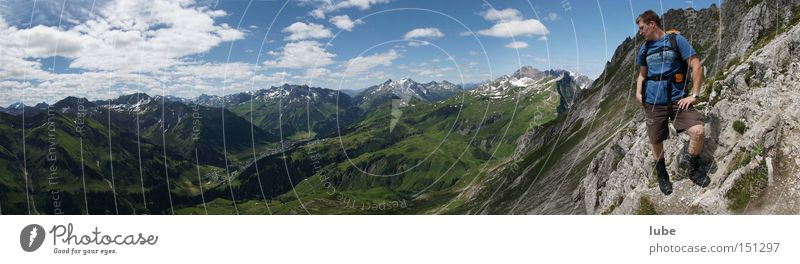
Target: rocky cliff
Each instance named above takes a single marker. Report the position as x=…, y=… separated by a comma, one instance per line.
x=596, y=159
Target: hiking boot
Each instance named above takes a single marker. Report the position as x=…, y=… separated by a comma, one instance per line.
x=697, y=175
x=663, y=177
x=665, y=185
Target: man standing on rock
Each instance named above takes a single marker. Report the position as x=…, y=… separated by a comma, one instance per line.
x=664, y=60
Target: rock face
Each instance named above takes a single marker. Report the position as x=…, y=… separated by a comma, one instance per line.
x=568, y=88
x=596, y=158
x=744, y=22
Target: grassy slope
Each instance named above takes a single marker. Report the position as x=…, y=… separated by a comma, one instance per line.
x=423, y=130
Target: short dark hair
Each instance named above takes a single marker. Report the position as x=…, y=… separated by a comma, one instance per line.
x=649, y=16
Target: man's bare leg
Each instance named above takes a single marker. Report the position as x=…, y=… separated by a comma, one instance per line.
x=696, y=139
x=658, y=151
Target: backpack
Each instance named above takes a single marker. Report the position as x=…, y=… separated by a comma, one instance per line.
x=678, y=77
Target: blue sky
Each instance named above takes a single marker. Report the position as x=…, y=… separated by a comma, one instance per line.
x=105, y=48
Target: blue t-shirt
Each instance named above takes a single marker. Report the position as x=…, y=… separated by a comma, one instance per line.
x=664, y=64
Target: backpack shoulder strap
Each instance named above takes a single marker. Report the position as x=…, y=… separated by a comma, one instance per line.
x=674, y=43
x=646, y=51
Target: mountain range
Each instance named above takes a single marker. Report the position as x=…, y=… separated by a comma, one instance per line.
x=529, y=142
x=154, y=154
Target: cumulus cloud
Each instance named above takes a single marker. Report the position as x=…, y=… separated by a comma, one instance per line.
x=361, y=64
x=121, y=37
x=507, y=29
x=517, y=45
x=215, y=77
x=327, y=6
x=343, y=22
x=317, y=13
x=302, y=31
x=435, y=72
x=122, y=44
x=360, y=4
x=508, y=14
x=232, y=71
x=429, y=32
x=418, y=43
x=301, y=55
x=551, y=16
x=509, y=23
x=315, y=73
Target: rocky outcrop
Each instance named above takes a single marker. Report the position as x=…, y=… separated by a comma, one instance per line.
x=568, y=89
x=756, y=93
x=596, y=159
x=745, y=22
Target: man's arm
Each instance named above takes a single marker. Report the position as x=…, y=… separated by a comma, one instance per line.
x=639, y=80
x=697, y=74
x=697, y=81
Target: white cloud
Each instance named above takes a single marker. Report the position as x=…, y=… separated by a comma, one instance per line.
x=423, y=33
x=301, y=55
x=509, y=23
x=261, y=80
x=48, y=13
x=214, y=78
x=418, y=43
x=317, y=13
x=231, y=72
x=528, y=27
x=327, y=6
x=302, y=31
x=343, y=22
x=431, y=72
x=517, y=45
x=315, y=73
x=374, y=76
x=508, y=14
x=360, y=4
x=45, y=41
x=122, y=44
x=361, y=64
x=121, y=37
x=551, y=16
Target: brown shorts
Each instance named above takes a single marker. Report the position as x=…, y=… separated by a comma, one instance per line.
x=657, y=118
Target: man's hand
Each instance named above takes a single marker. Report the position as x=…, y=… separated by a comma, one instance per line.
x=684, y=103
x=640, y=82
